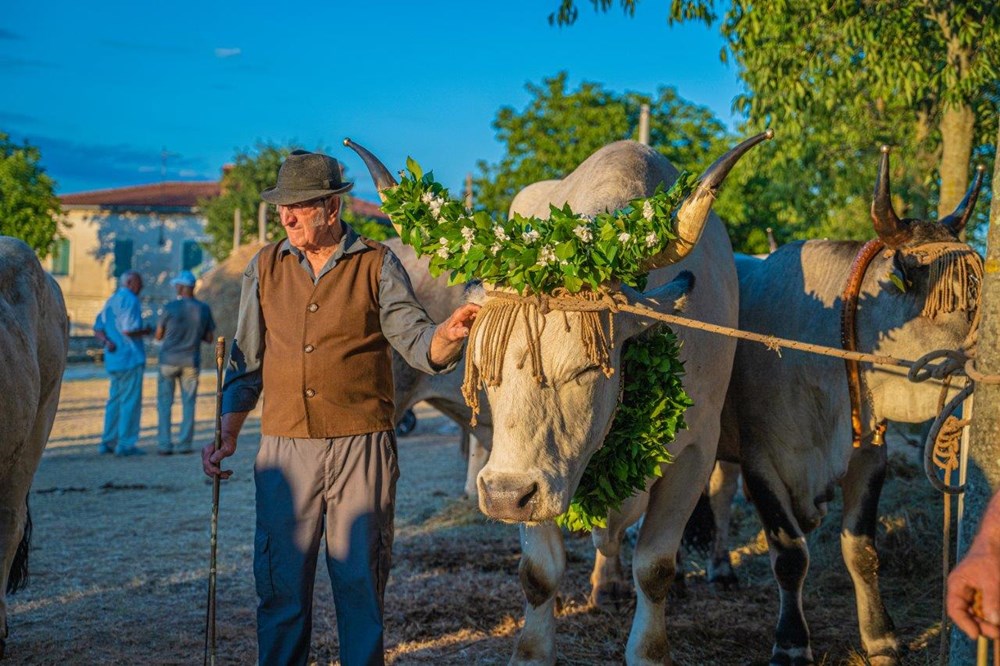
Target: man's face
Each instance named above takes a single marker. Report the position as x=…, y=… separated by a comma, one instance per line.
x=309, y=222
x=134, y=284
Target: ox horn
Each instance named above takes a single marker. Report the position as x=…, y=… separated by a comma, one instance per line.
x=694, y=211
x=960, y=217
x=380, y=175
x=890, y=229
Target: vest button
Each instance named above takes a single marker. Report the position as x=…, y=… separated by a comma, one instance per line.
x=313, y=307
x=310, y=393
x=309, y=348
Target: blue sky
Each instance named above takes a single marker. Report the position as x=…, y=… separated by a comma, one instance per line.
x=103, y=88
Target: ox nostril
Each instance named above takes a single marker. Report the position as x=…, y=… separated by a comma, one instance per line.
x=528, y=496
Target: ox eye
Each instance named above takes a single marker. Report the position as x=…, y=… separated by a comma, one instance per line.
x=583, y=372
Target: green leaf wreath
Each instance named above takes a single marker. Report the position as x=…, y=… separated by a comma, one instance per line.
x=572, y=252
x=526, y=253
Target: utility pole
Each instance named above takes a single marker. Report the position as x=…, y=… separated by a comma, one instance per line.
x=644, y=124
x=983, y=474
x=237, y=228
x=468, y=191
x=262, y=222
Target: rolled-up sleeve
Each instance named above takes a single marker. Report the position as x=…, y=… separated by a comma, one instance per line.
x=244, y=381
x=405, y=323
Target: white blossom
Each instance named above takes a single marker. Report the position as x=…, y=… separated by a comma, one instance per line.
x=584, y=233
x=443, y=241
x=624, y=237
x=647, y=210
x=530, y=236
x=501, y=235
x=469, y=234
x=495, y=248
x=547, y=256
x=427, y=198
x=443, y=252
x=652, y=239
x=467, y=245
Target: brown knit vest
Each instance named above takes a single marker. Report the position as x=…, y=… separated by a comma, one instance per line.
x=327, y=367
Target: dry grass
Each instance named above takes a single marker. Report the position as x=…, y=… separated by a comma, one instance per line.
x=121, y=553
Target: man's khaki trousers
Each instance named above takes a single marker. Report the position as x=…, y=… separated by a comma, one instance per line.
x=346, y=485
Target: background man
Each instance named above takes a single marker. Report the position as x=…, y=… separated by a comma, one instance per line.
x=184, y=324
x=318, y=312
x=119, y=328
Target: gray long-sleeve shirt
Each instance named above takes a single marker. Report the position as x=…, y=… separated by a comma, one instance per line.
x=405, y=323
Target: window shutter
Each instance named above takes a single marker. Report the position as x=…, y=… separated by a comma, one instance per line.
x=123, y=256
x=191, y=255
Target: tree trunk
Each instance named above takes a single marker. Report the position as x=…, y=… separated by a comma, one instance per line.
x=958, y=125
x=983, y=477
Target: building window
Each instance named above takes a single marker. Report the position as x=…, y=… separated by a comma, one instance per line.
x=191, y=255
x=60, y=257
x=123, y=256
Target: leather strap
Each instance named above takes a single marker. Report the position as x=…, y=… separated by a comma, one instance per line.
x=849, y=337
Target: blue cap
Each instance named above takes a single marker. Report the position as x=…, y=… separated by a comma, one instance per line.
x=184, y=279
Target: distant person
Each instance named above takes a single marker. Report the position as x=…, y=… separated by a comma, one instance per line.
x=183, y=326
x=119, y=329
x=979, y=570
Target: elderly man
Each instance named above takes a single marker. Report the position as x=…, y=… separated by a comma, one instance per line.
x=318, y=313
x=119, y=328
x=184, y=324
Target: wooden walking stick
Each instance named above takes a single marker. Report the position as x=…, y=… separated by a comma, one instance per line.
x=220, y=355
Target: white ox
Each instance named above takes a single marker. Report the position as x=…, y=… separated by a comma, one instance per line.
x=34, y=337
x=788, y=418
x=545, y=433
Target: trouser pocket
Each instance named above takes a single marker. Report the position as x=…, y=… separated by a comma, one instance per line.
x=262, y=565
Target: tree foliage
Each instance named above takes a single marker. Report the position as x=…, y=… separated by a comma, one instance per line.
x=559, y=128
x=251, y=173
x=29, y=207
x=839, y=78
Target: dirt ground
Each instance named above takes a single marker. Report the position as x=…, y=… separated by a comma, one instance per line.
x=120, y=558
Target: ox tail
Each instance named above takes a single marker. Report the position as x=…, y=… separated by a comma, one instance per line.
x=19, y=567
x=699, y=533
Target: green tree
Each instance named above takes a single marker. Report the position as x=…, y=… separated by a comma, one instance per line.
x=558, y=129
x=251, y=173
x=839, y=78
x=29, y=207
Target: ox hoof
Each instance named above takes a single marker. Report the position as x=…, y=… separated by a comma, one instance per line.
x=3, y=647
x=610, y=594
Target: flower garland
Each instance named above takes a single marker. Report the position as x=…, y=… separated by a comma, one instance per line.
x=571, y=252
x=526, y=253
x=649, y=416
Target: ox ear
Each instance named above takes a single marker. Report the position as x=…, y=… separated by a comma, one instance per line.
x=670, y=298
x=959, y=218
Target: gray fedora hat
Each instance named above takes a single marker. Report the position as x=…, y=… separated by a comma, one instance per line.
x=304, y=176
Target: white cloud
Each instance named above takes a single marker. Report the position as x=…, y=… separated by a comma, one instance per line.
x=227, y=52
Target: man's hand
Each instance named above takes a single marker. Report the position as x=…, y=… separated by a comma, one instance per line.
x=210, y=458
x=446, y=345
x=978, y=572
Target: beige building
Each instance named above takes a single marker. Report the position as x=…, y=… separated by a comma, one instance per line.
x=154, y=229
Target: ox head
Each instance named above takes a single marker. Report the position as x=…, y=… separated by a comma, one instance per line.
x=926, y=297
x=552, y=390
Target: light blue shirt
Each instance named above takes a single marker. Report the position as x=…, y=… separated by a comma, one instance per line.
x=122, y=312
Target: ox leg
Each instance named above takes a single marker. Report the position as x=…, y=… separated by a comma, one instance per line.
x=789, y=562
x=671, y=500
x=479, y=455
x=607, y=580
x=722, y=487
x=543, y=562
x=861, y=487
